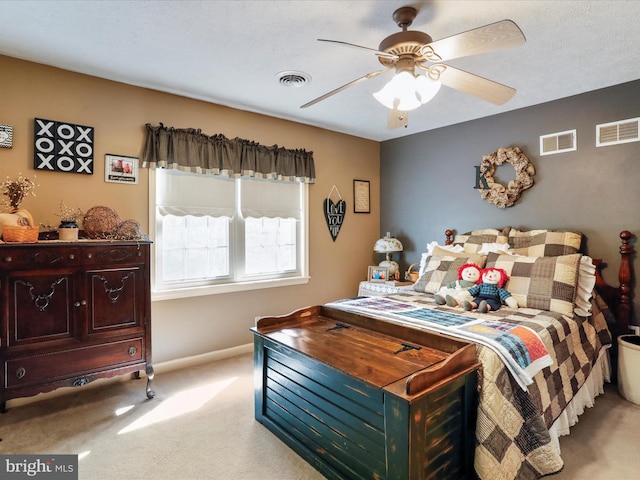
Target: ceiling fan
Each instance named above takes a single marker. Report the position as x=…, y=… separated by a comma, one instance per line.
x=410, y=49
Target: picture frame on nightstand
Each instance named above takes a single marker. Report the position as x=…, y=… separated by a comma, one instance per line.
x=377, y=274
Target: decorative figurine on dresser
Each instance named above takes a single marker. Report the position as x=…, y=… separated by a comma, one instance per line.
x=73, y=312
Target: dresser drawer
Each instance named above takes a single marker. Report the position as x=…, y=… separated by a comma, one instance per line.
x=106, y=255
x=20, y=257
x=72, y=363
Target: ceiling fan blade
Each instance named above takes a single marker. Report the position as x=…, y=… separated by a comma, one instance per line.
x=495, y=36
x=345, y=86
x=471, y=84
x=377, y=52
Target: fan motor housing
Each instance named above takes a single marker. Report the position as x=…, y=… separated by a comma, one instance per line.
x=403, y=43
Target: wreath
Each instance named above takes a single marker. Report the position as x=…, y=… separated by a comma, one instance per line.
x=498, y=194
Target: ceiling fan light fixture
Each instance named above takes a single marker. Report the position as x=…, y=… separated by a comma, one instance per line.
x=426, y=88
x=406, y=92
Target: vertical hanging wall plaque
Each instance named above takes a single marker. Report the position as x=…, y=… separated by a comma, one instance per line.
x=334, y=213
x=63, y=147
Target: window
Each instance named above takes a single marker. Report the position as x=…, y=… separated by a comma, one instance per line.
x=214, y=234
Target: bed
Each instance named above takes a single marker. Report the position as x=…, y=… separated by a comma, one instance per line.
x=543, y=362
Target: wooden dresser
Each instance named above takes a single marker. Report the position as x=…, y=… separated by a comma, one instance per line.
x=360, y=398
x=72, y=313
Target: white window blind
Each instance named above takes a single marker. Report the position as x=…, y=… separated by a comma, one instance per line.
x=178, y=193
x=261, y=198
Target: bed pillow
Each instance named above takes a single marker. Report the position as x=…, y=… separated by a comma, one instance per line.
x=544, y=243
x=488, y=248
x=443, y=269
x=472, y=241
x=544, y=283
x=441, y=248
x=586, y=284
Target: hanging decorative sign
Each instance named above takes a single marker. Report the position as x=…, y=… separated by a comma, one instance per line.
x=63, y=147
x=334, y=213
x=498, y=194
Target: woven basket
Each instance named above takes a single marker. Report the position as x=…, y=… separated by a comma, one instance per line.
x=19, y=233
x=411, y=275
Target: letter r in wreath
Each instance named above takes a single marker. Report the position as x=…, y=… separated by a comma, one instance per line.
x=498, y=194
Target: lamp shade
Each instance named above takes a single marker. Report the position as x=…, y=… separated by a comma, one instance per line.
x=388, y=244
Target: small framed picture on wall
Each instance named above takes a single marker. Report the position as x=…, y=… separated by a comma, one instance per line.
x=120, y=169
x=6, y=136
x=361, y=196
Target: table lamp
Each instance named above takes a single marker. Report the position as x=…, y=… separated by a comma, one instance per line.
x=388, y=245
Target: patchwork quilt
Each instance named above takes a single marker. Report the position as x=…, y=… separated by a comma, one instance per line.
x=533, y=364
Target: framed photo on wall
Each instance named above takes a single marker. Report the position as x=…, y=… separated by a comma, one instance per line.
x=377, y=274
x=361, y=196
x=120, y=169
x=6, y=136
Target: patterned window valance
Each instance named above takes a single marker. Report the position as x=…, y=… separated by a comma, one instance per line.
x=190, y=150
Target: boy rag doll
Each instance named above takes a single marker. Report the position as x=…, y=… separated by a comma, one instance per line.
x=456, y=293
x=489, y=293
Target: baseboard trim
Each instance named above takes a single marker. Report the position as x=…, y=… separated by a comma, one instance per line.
x=186, y=362
x=159, y=368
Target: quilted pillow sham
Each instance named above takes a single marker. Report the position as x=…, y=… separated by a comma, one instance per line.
x=544, y=243
x=472, y=241
x=544, y=283
x=441, y=270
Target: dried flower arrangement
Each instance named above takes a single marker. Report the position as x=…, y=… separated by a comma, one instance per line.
x=16, y=189
x=69, y=215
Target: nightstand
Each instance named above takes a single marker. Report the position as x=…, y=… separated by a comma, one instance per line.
x=376, y=289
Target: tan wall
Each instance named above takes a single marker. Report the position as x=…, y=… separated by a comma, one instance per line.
x=118, y=113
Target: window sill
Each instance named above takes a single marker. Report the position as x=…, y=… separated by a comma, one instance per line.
x=157, y=296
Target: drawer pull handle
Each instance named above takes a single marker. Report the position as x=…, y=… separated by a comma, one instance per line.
x=8, y=259
x=405, y=347
x=80, y=303
x=21, y=372
x=132, y=351
x=89, y=255
x=78, y=382
x=72, y=257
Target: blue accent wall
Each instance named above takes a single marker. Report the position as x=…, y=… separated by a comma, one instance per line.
x=427, y=179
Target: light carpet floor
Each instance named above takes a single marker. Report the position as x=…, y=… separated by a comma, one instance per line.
x=200, y=426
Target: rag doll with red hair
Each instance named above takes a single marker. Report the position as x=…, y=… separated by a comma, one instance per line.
x=457, y=292
x=489, y=294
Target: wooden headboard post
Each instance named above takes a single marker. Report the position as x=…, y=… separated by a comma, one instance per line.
x=623, y=312
x=619, y=298
x=449, y=237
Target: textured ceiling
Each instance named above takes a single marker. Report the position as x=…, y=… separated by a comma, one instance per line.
x=229, y=52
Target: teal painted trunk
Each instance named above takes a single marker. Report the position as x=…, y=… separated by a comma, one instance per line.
x=345, y=393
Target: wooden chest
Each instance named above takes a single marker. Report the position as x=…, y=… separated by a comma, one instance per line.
x=360, y=398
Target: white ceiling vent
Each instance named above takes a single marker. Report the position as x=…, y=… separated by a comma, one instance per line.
x=292, y=78
x=614, y=133
x=558, y=142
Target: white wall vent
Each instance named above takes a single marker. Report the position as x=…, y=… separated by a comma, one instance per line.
x=614, y=133
x=558, y=142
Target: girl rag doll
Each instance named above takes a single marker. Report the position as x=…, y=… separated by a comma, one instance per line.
x=456, y=293
x=489, y=293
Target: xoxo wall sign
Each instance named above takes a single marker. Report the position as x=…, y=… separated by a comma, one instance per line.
x=63, y=147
